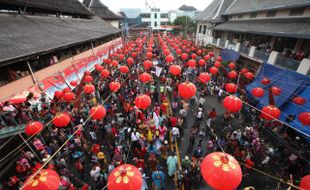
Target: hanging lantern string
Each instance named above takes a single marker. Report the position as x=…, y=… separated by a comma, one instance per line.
x=264, y=173
x=72, y=135
x=34, y=135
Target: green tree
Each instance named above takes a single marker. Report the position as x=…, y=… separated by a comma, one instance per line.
x=186, y=22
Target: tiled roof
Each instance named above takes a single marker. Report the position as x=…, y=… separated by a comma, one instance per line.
x=102, y=11
x=243, y=6
x=293, y=28
x=187, y=8
x=213, y=12
x=65, y=6
x=23, y=36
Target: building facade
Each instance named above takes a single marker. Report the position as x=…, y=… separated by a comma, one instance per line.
x=154, y=18
x=274, y=32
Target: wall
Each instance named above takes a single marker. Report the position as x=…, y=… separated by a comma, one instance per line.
x=17, y=86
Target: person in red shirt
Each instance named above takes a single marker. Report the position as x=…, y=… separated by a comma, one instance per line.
x=212, y=114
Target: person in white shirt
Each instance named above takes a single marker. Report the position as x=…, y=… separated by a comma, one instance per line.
x=175, y=133
x=95, y=172
x=7, y=107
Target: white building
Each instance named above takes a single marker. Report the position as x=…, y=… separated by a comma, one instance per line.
x=155, y=18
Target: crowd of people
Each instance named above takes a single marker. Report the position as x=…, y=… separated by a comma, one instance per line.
x=146, y=138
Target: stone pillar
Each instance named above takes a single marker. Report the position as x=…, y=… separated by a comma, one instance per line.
x=304, y=66
x=218, y=42
x=273, y=57
x=237, y=47
x=226, y=43
x=252, y=51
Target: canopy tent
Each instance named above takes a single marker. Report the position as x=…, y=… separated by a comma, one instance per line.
x=229, y=55
x=292, y=84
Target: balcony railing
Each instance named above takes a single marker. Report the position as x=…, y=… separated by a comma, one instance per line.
x=262, y=55
x=9, y=126
x=231, y=45
x=245, y=50
x=287, y=63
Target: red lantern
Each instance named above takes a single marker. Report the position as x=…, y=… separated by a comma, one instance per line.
x=232, y=103
x=231, y=65
x=99, y=68
x=219, y=58
x=134, y=54
x=258, y=92
x=184, y=56
x=147, y=64
x=74, y=83
x=145, y=77
x=88, y=78
x=143, y=101
x=270, y=112
x=120, y=57
x=130, y=61
x=199, y=52
x=304, y=118
x=124, y=69
x=46, y=179
x=61, y=119
x=69, y=96
x=58, y=94
x=231, y=88
x=217, y=64
x=206, y=57
x=232, y=74
x=169, y=59
x=193, y=56
x=114, y=86
x=97, y=112
x=244, y=70
x=265, y=81
x=87, y=72
x=201, y=62
x=191, y=63
x=211, y=54
x=114, y=63
x=105, y=73
x=178, y=51
x=149, y=55
x=166, y=52
x=33, y=128
x=249, y=75
x=65, y=90
x=213, y=70
x=204, y=77
x=299, y=100
x=305, y=183
x=221, y=171
x=89, y=88
x=175, y=70
x=125, y=176
x=187, y=90
x=276, y=90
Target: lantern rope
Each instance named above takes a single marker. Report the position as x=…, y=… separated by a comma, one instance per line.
x=222, y=149
x=72, y=135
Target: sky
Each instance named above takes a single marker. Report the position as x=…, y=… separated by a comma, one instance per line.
x=116, y=5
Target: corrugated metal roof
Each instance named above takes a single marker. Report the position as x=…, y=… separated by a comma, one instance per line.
x=27, y=35
x=243, y=6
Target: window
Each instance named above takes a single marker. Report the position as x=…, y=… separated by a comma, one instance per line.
x=240, y=16
x=204, y=29
x=200, y=28
x=163, y=15
x=230, y=17
x=155, y=24
x=163, y=23
x=145, y=15
x=297, y=11
x=253, y=15
x=271, y=13
x=155, y=15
